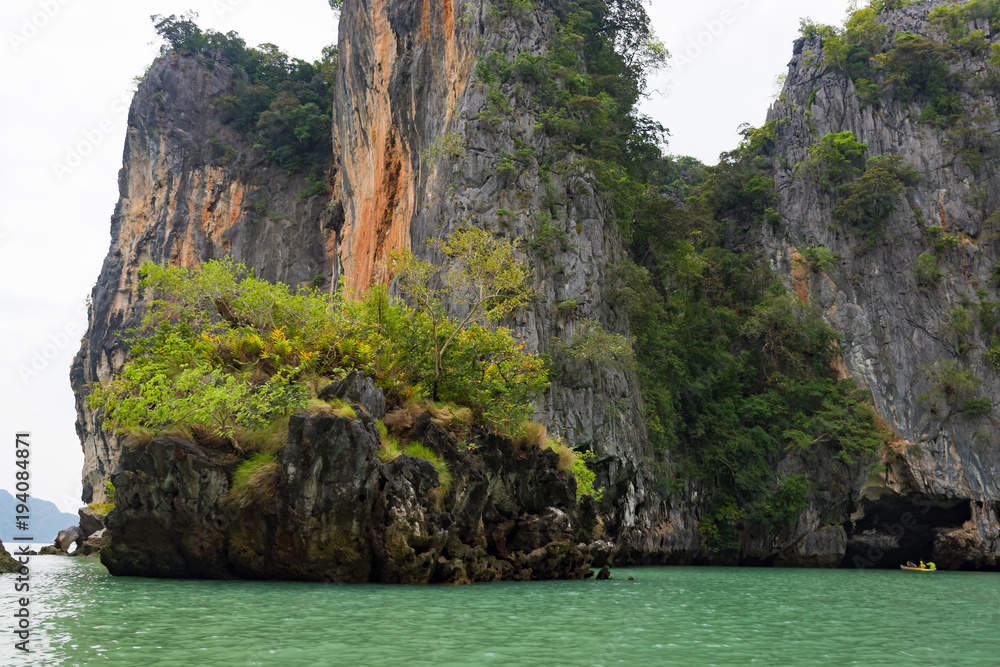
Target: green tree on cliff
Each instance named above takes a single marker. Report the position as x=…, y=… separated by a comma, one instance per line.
x=483, y=277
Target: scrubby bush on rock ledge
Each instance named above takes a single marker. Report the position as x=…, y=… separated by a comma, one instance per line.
x=223, y=361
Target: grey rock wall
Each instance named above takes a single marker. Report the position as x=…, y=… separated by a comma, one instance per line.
x=895, y=330
x=337, y=513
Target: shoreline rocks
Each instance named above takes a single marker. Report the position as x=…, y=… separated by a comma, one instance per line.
x=8, y=565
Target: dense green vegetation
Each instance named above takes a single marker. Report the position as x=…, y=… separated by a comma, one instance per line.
x=284, y=104
x=227, y=351
x=736, y=372
x=223, y=355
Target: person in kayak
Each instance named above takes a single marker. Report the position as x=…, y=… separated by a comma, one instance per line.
x=910, y=563
x=931, y=566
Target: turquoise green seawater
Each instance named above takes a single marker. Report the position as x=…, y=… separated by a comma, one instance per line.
x=667, y=616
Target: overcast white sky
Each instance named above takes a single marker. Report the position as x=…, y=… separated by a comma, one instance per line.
x=66, y=81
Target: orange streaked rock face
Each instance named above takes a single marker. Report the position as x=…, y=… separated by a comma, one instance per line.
x=380, y=153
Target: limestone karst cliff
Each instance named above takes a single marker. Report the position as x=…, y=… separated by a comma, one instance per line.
x=912, y=294
x=442, y=118
x=424, y=144
x=406, y=86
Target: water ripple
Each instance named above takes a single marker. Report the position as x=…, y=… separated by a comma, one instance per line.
x=669, y=616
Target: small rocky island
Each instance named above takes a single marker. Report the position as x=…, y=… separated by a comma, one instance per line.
x=336, y=512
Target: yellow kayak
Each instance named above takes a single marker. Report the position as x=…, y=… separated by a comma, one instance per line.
x=916, y=569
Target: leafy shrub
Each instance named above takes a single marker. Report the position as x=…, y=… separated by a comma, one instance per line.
x=919, y=67
x=950, y=382
x=851, y=50
x=942, y=241
x=784, y=504
x=314, y=187
x=925, y=268
x=820, y=258
x=102, y=509
x=446, y=144
x=222, y=349
x=505, y=168
x=593, y=344
x=585, y=477
x=993, y=353
x=974, y=407
x=473, y=361
x=836, y=158
x=868, y=200
x=883, y=6
x=516, y=8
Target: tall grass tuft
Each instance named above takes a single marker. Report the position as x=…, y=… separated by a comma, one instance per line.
x=255, y=482
x=346, y=412
x=390, y=448
x=331, y=408
x=531, y=433
x=268, y=439
x=418, y=451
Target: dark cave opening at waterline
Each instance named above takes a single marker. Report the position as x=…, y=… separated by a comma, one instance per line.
x=893, y=531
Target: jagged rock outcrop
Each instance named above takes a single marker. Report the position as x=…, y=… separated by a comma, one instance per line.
x=92, y=545
x=7, y=563
x=940, y=495
x=339, y=513
x=192, y=189
x=90, y=521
